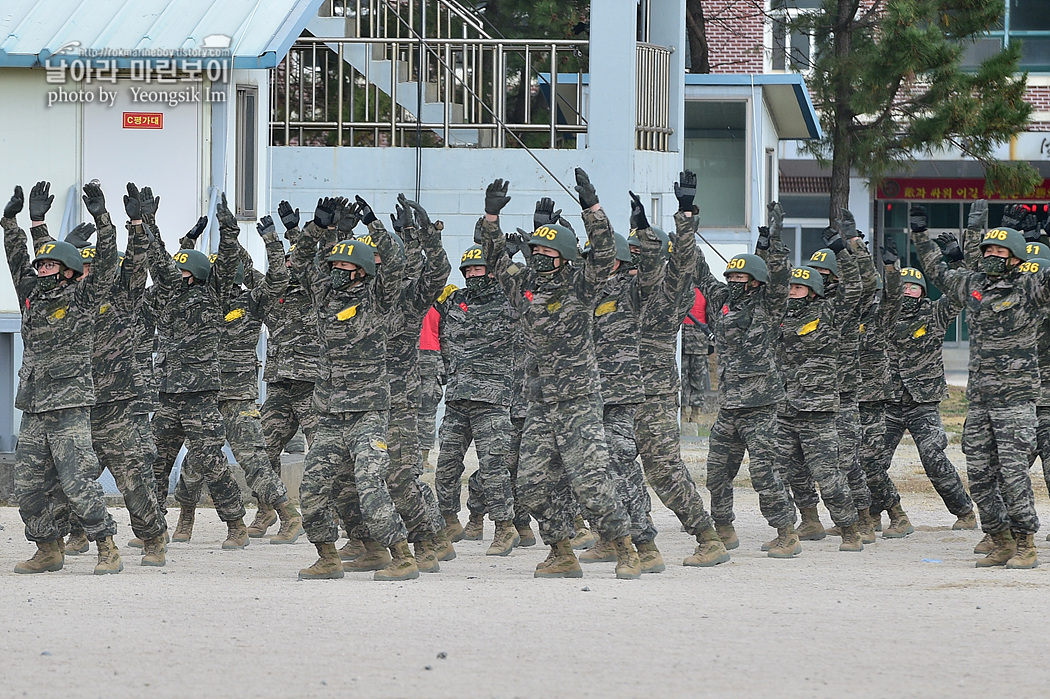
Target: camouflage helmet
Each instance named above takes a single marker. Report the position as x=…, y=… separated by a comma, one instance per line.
x=623, y=249
x=824, y=259
x=88, y=254
x=910, y=275
x=748, y=264
x=1035, y=250
x=632, y=239
x=357, y=252
x=1008, y=238
x=808, y=276
x=557, y=237
x=62, y=252
x=471, y=258
x=195, y=262
x=367, y=239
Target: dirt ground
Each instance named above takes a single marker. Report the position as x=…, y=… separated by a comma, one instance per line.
x=905, y=618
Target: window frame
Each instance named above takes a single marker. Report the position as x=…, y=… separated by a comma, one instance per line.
x=247, y=170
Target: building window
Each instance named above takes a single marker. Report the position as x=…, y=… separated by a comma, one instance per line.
x=1024, y=21
x=716, y=150
x=247, y=150
x=792, y=50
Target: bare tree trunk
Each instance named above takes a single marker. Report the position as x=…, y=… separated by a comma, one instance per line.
x=842, y=131
x=696, y=33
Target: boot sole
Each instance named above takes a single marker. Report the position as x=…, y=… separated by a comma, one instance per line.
x=366, y=569
x=567, y=574
x=981, y=564
x=436, y=568
x=629, y=576
x=321, y=576
x=1035, y=564
x=732, y=545
x=76, y=552
x=655, y=569
x=794, y=553
x=276, y=540
x=50, y=569
x=813, y=537
x=525, y=543
x=134, y=543
x=708, y=564
x=897, y=535
x=256, y=534
x=179, y=539
x=450, y=556
x=153, y=564
x=234, y=547
x=407, y=576
x=968, y=527
x=466, y=537
x=490, y=552
x=109, y=572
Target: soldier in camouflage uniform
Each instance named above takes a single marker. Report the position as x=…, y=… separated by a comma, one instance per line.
x=120, y=432
x=347, y=463
x=563, y=445
x=745, y=316
x=476, y=329
x=1038, y=258
x=243, y=313
x=55, y=389
x=807, y=436
x=696, y=341
x=189, y=325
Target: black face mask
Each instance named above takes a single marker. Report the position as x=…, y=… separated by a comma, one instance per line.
x=797, y=304
x=737, y=290
x=48, y=283
x=478, y=283
x=910, y=303
x=993, y=266
x=187, y=282
x=829, y=283
x=541, y=263
x=341, y=278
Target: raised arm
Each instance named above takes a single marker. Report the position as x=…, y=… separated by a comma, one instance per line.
x=438, y=268
x=391, y=273
x=892, y=296
x=599, y=264
x=276, y=280
x=953, y=282
x=22, y=273
x=104, y=269
x=494, y=246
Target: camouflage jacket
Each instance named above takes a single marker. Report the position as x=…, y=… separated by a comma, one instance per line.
x=424, y=280
x=293, y=349
x=352, y=324
x=1003, y=314
x=1043, y=399
x=694, y=340
x=666, y=304
x=876, y=325
x=243, y=313
x=189, y=321
x=116, y=371
x=146, y=346
x=617, y=317
x=519, y=400
x=914, y=350
x=809, y=346
x=477, y=336
x=848, y=317
x=747, y=332
x=58, y=326
x=556, y=311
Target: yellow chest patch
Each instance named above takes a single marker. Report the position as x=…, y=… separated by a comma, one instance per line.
x=602, y=309
x=809, y=327
x=446, y=292
x=346, y=313
x=103, y=308
x=553, y=306
x=861, y=328
x=919, y=333
x=234, y=315
x=58, y=313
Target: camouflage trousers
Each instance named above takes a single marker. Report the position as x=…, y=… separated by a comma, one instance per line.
x=847, y=426
x=123, y=443
x=430, y=395
x=695, y=379
x=413, y=498
x=488, y=426
x=884, y=493
x=627, y=470
x=245, y=435
x=476, y=494
x=753, y=429
x=1042, y=440
x=54, y=458
x=345, y=475
x=807, y=452
x=658, y=436
x=998, y=443
x=923, y=422
x=288, y=406
x=194, y=418
x=564, y=453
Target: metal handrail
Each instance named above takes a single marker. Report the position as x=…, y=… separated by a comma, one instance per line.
x=653, y=95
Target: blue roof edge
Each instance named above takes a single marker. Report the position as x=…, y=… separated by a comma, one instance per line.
x=795, y=80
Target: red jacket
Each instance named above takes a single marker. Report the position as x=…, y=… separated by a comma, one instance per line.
x=428, y=336
x=699, y=310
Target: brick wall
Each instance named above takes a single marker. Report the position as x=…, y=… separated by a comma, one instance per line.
x=734, y=36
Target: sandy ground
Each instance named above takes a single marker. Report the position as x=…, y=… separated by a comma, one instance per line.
x=903, y=618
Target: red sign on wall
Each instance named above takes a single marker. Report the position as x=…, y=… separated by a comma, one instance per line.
x=143, y=120
x=927, y=188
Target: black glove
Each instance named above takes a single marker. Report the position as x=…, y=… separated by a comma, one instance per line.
x=40, y=199
x=79, y=236
x=775, y=212
x=224, y=215
x=763, y=238
x=1030, y=228
x=950, y=243
x=324, y=212
x=15, y=204
x=198, y=228
x=341, y=209
x=93, y=198
x=588, y=197
x=401, y=218
x=289, y=218
x=1013, y=215
x=364, y=212
x=848, y=225
x=496, y=197
x=563, y=222
x=833, y=239
x=423, y=221
x=132, y=205
x=685, y=190
x=978, y=217
x=518, y=242
x=917, y=219
x=638, y=218
x=148, y=204
x=347, y=218
x=889, y=251
x=265, y=226
x=545, y=214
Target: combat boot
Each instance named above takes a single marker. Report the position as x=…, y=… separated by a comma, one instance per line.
x=786, y=545
x=184, y=529
x=402, y=565
x=851, y=539
x=327, y=567
x=967, y=520
x=137, y=543
x=504, y=540
x=810, y=529
x=153, y=552
x=628, y=565
x=710, y=550
x=727, y=533
x=1026, y=556
x=426, y=558
x=1005, y=549
x=375, y=557
x=291, y=524
x=352, y=550
x=453, y=528
x=865, y=527
x=560, y=563
x=650, y=559
x=602, y=552
x=265, y=516
x=77, y=544
x=475, y=529
x=584, y=538
x=48, y=558
x=985, y=545
x=900, y=525
x=108, y=557
x=443, y=548
x=236, y=535
x=525, y=535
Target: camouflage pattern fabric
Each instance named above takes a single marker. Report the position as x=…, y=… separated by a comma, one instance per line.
x=477, y=328
x=848, y=422
x=998, y=443
x=617, y=321
x=288, y=406
x=414, y=499
x=916, y=363
x=1042, y=414
x=476, y=494
x=695, y=378
x=488, y=426
x=694, y=340
x=807, y=451
x=627, y=471
x=145, y=346
x=884, y=493
x=431, y=390
x=848, y=312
